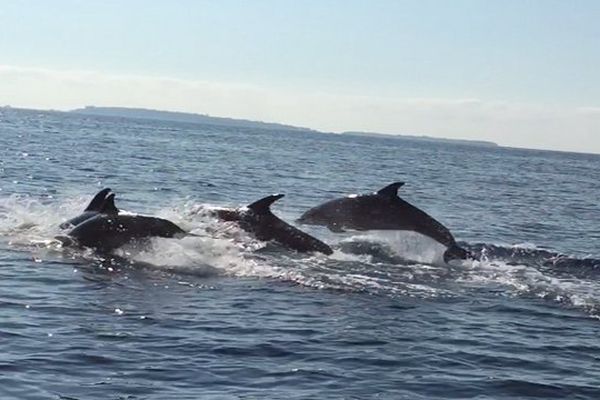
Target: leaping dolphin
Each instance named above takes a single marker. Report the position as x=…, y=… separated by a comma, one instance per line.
x=108, y=230
x=382, y=210
x=90, y=211
x=258, y=219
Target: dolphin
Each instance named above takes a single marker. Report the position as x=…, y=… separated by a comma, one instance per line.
x=382, y=210
x=108, y=230
x=90, y=211
x=258, y=219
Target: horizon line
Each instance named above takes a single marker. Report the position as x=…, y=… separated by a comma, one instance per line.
x=72, y=111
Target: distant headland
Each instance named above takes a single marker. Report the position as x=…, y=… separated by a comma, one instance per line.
x=177, y=116
x=144, y=113
x=424, y=138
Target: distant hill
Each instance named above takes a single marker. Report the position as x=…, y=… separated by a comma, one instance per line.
x=176, y=116
x=144, y=113
x=424, y=139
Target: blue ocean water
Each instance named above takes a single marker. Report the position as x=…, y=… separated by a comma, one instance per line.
x=222, y=316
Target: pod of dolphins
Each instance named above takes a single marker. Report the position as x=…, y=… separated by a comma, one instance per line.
x=103, y=227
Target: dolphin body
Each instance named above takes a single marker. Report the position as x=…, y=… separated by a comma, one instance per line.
x=90, y=211
x=108, y=230
x=382, y=210
x=258, y=219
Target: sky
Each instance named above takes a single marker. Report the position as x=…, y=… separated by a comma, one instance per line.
x=520, y=73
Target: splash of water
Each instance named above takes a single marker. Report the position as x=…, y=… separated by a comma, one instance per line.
x=388, y=263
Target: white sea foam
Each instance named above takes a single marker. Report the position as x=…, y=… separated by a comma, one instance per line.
x=27, y=221
x=408, y=245
x=524, y=280
x=222, y=248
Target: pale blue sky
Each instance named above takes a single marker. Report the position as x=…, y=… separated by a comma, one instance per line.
x=541, y=56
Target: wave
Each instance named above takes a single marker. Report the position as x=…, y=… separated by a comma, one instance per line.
x=379, y=263
x=544, y=259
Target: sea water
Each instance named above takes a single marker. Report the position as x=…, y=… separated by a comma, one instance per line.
x=223, y=316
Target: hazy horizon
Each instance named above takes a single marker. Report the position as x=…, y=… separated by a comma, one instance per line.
x=399, y=134
x=517, y=74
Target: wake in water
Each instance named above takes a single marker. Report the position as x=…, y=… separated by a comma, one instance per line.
x=384, y=263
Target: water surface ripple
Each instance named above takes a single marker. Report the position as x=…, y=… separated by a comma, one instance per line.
x=223, y=316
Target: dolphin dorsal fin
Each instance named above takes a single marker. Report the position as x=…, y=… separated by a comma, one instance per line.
x=97, y=201
x=390, y=190
x=262, y=206
x=109, y=205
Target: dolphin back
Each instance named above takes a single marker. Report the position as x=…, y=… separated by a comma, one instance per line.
x=84, y=216
x=258, y=219
x=106, y=232
x=263, y=206
x=298, y=240
x=93, y=208
x=98, y=200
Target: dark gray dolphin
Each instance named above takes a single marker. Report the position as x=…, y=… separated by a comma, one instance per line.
x=382, y=210
x=90, y=211
x=108, y=229
x=258, y=219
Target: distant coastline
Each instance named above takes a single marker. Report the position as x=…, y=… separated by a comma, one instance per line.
x=176, y=116
x=424, y=138
x=145, y=113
